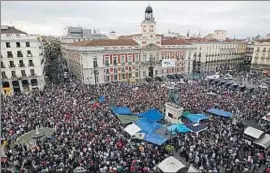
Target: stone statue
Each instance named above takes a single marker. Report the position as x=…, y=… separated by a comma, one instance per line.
x=37, y=132
x=174, y=96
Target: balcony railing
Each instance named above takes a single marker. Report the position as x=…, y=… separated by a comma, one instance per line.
x=12, y=66
x=31, y=64
x=21, y=65
x=29, y=55
x=10, y=56
x=2, y=66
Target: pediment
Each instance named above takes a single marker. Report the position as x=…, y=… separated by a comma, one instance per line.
x=151, y=46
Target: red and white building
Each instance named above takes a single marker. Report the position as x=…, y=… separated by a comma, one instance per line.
x=134, y=57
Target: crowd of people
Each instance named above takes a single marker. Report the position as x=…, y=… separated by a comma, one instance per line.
x=93, y=138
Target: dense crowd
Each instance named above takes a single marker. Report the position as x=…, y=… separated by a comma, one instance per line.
x=91, y=137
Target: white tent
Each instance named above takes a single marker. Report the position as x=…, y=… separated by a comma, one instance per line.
x=171, y=164
x=192, y=169
x=132, y=129
x=264, y=141
x=253, y=132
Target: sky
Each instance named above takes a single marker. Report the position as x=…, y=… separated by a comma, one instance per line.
x=241, y=18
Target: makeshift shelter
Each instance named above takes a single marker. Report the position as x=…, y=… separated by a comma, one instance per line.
x=127, y=119
x=219, y=112
x=155, y=139
x=172, y=165
x=121, y=110
x=192, y=169
x=147, y=126
x=196, y=128
x=253, y=132
x=263, y=141
x=195, y=118
x=132, y=129
x=152, y=115
x=181, y=128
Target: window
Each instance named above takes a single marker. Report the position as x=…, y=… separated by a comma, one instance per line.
x=23, y=73
x=11, y=64
x=18, y=44
x=130, y=58
x=21, y=64
x=156, y=72
x=29, y=54
x=31, y=62
x=144, y=73
x=123, y=70
x=2, y=64
x=107, y=71
x=115, y=70
x=4, y=75
x=27, y=44
x=95, y=64
x=115, y=77
x=19, y=54
x=123, y=76
x=32, y=72
x=115, y=60
x=106, y=61
x=9, y=54
x=144, y=57
x=122, y=59
x=107, y=78
x=7, y=44
x=136, y=74
x=13, y=73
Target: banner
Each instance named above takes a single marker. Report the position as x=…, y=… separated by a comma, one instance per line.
x=168, y=63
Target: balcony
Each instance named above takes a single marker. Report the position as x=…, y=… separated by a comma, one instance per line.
x=2, y=66
x=21, y=65
x=107, y=64
x=31, y=64
x=10, y=56
x=19, y=55
x=33, y=74
x=29, y=55
x=12, y=66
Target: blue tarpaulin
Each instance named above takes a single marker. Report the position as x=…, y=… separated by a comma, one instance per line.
x=121, y=110
x=181, y=128
x=101, y=99
x=196, y=128
x=155, y=139
x=220, y=112
x=147, y=126
x=195, y=118
x=152, y=115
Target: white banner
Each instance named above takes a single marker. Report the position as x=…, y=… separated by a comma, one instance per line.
x=168, y=63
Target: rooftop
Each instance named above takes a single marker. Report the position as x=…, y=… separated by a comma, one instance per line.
x=10, y=30
x=174, y=42
x=118, y=42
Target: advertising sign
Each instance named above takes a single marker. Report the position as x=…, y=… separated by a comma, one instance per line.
x=168, y=63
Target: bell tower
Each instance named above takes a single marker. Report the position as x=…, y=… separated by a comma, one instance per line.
x=148, y=26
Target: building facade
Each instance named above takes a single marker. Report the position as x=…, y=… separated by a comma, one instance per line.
x=261, y=56
x=22, y=61
x=135, y=57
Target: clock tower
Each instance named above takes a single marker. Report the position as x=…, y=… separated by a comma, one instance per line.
x=148, y=26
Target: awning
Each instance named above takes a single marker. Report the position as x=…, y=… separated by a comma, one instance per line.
x=192, y=169
x=253, y=132
x=172, y=165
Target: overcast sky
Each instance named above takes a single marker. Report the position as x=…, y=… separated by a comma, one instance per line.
x=240, y=19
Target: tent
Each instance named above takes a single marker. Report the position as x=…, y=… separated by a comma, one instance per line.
x=172, y=165
x=181, y=128
x=253, y=132
x=219, y=112
x=147, y=126
x=132, y=129
x=155, y=139
x=196, y=128
x=195, y=118
x=263, y=141
x=127, y=119
x=121, y=110
x=192, y=169
x=152, y=115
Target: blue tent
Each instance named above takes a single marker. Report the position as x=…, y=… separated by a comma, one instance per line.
x=121, y=110
x=152, y=115
x=195, y=118
x=181, y=128
x=219, y=112
x=101, y=99
x=147, y=126
x=155, y=139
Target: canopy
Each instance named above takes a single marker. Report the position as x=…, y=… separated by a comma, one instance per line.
x=263, y=141
x=121, y=110
x=253, y=132
x=127, y=119
x=219, y=112
x=196, y=128
x=181, y=128
x=132, y=129
x=155, y=139
x=147, y=126
x=195, y=118
x=172, y=165
x=192, y=169
x=152, y=115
